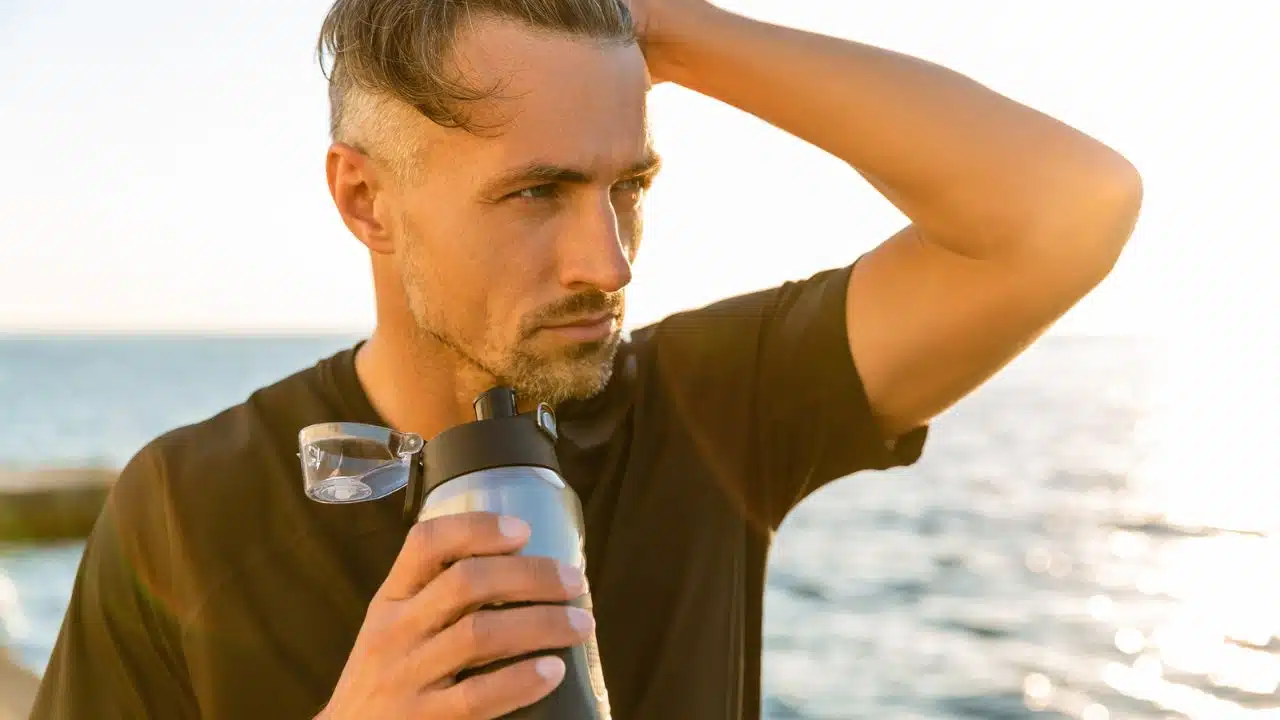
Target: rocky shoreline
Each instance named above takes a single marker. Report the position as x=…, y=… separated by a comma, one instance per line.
x=53, y=504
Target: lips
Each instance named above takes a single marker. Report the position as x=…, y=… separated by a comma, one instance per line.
x=582, y=322
x=591, y=328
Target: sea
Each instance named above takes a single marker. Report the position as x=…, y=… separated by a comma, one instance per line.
x=1093, y=534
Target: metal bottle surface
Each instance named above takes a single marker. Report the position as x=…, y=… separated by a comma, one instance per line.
x=477, y=468
x=542, y=499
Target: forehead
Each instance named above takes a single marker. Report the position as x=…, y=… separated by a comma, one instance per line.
x=560, y=99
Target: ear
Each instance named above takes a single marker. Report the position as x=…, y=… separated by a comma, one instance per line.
x=354, y=185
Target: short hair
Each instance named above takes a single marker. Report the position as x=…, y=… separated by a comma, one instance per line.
x=391, y=57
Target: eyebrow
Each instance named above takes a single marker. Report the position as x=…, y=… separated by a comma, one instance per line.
x=538, y=172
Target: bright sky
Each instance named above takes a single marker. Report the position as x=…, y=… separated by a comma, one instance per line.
x=163, y=161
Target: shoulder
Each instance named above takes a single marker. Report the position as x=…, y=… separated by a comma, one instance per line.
x=198, y=500
x=720, y=345
x=744, y=325
x=210, y=463
x=726, y=346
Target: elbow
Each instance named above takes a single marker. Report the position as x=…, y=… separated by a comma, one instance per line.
x=1115, y=212
x=1086, y=227
x=1117, y=205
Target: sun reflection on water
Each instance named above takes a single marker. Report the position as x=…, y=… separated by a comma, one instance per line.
x=1199, y=537
x=1209, y=476
x=13, y=623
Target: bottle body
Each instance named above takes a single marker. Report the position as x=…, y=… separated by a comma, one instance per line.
x=541, y=498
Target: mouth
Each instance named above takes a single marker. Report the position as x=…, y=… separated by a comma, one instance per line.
x=587, y=328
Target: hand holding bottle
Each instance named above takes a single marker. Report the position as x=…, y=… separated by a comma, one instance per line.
x=433, y=617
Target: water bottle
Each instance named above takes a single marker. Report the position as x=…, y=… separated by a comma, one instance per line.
x=504, y=462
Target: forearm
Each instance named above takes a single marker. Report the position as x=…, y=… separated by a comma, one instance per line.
x=974, y=170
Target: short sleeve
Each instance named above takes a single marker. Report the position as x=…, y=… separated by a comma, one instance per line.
x=767, y=383
x=116, y=654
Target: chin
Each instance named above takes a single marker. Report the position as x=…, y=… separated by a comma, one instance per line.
x=580, y=374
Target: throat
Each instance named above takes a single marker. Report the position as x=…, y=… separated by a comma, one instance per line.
x=422, y=390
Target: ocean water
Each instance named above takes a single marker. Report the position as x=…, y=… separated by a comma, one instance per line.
x=1082, y=539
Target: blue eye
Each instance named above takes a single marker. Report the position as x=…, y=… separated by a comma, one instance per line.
x=631, y=189
x=634, y=185
x=537, y=192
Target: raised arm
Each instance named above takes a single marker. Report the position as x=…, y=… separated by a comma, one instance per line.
x=1014, y=215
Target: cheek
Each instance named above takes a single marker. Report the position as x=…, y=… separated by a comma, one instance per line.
x=462, y=281
x=519, y=248
x=489, y=272
x=444, y=274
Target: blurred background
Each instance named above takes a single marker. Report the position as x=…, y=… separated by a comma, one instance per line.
x=1094, y=535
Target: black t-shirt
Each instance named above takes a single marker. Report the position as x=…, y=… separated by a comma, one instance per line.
x=212, y=587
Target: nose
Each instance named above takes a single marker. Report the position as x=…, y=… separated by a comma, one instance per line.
x=594, y=252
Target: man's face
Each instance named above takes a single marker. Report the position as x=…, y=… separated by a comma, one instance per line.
x=515, y=246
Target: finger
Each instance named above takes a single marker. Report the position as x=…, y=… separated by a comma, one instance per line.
x=433, y=545
x=486, y=636
x=494, y=694
x=474, y=582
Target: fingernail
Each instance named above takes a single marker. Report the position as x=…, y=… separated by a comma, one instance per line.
x=572, y=578
x=580, y=619
x=513, y=527
x=548, y=667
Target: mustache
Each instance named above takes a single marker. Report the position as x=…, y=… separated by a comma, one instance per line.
x=590, y=302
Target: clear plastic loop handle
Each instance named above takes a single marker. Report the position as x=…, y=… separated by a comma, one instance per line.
x=354, y=462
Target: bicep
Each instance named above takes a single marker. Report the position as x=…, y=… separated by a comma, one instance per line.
x=927, y=326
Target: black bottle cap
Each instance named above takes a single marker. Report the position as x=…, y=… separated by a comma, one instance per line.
x=498, y=402
x=498, y=438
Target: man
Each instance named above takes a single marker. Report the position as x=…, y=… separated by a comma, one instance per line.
x=492, y=156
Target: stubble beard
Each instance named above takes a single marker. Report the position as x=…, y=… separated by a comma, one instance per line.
x=582, y=371
x=578, y=373
x=575, y=372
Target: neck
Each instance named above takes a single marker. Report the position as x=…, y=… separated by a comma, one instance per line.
x=416, y=384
